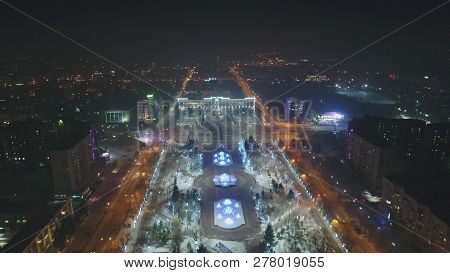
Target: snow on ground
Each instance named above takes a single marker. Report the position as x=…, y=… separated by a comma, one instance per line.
x=234, y=246
x=263, y=181
x=151, y=249
x=185, y=182
x=180, y=170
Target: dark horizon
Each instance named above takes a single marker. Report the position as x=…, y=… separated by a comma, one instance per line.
x=205, y=30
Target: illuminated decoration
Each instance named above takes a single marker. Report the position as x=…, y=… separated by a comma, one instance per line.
x=228, y=214
x=330, y=118
x=245, y=158
x=222, y=158
x=150, y=96
x=224, y=180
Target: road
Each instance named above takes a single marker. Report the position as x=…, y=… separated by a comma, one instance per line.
x=115, y=200
x=249, y=92
x=364, y=224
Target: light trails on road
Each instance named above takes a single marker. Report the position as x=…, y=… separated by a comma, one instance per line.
x=326, y=223
x=101, y=231
x=248, y=91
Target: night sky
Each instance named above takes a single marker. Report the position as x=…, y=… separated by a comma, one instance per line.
x=205, y=29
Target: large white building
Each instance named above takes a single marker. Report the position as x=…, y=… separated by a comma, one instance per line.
x=216, y=108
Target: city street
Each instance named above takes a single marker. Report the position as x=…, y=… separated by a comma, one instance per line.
x=115, y=202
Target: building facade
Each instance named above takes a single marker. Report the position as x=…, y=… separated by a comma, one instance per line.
x=147, y=110
x=437, y=142
x=295, y=110
x=71, y=166
x=46, y=237
x=408, y=207
x=372, y=160
x=215, y=108
x=28, y=143
x=406, y=136
x=117, y=116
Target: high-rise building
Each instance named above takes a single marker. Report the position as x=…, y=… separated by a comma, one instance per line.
x=147, y=113
x=290, y=108
x=404, y=135
x=71, y=162
x=143, y=110
x=437, y=142
x=147, y=109
x=421, y=206
x=295, y=110
x=402, y=140
x=371, y=157
x=28, y=143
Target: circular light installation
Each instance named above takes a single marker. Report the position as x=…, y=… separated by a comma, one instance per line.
x=228, y=214
x=224, y=180
x=222, y=158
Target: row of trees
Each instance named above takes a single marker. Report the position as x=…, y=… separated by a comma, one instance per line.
x=279, y=188
x=185, y=206
x=297, y=237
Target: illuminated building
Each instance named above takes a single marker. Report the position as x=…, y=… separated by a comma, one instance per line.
x=421, y=206
x=295, y=110
x=147, y=112
x=317, y=78
x=216, y=108
x=28, y=143
x=330, y=118
x=117, y=116
x=290, y=108
x=40, y=234
x=406, y=136
x=437, y=141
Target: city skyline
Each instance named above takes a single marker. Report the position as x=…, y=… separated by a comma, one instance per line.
x=225, y=127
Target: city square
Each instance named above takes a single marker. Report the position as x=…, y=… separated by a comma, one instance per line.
x=188, y=127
